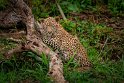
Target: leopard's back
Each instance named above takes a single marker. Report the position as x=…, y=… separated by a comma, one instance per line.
x=56, y=37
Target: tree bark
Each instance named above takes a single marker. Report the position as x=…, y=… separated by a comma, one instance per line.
x=21, y=12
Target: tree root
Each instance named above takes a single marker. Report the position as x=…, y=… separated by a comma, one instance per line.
x=37, y=46
x=33, y=41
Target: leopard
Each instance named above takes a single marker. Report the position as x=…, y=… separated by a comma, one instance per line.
x=55, y=36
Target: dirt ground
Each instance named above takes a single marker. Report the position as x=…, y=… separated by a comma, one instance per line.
x=116, y=22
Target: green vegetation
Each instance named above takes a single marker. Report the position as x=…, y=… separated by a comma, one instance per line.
x=48, y=8
x=20, y=70
x=104, y=45
x=3, y=4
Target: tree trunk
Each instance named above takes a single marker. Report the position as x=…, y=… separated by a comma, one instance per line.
x=21, y=12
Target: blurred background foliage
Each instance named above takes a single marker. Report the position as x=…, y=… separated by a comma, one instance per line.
x=44, y=8
x=99, y=26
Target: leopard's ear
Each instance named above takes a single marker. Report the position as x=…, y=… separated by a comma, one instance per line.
x=50, y=19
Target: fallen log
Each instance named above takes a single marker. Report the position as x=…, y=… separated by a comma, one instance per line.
x=21, y=12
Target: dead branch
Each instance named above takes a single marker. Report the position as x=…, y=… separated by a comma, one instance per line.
x=60, y=10
x=9, y=18
x=36, y=45
x=21, y=12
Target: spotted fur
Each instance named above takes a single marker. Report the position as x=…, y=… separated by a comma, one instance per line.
x=55, y=36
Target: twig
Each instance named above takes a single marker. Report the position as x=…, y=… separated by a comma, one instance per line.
x=61, y=11
x=11, y=52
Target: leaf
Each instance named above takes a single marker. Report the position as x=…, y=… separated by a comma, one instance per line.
x=65, y=3
x=73, y=7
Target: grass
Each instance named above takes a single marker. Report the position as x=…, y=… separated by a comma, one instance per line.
x=17, y=70
x=96, y=38
x=26, y=68
x=104, y=70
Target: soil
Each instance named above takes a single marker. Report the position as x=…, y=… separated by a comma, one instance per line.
x=112, y=21
x=116, y=22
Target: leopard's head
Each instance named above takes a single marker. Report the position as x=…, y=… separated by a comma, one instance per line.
x=48, y=28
